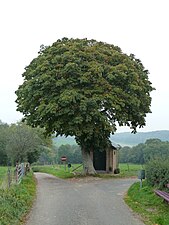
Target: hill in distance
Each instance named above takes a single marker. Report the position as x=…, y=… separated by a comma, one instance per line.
x=124, y=138
x=129, y=139
x=62, y=140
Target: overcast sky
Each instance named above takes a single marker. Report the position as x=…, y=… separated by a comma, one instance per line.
x=136, y=26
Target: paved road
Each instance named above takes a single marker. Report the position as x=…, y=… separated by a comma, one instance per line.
x=81, y=202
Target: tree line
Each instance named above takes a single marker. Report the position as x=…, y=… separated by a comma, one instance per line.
x=53, y=156
x=144, y=152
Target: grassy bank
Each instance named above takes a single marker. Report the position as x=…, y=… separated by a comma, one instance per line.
x=152, y=208
x=17, y=201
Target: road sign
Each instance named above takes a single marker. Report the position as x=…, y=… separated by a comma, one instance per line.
x=63, y=158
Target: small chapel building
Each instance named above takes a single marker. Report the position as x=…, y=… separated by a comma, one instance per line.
x=106, y=160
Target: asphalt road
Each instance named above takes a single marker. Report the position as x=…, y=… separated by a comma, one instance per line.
x=81, y=202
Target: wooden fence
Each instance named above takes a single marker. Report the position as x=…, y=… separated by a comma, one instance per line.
x=15, y=175
x=20, y=171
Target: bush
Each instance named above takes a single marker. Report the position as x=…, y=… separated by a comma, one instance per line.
x=157, y=173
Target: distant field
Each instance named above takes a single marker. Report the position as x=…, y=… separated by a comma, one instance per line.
x=130, y=169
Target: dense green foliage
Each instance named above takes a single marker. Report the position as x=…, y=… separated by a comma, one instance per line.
x=152, y=208
x=157, y=173
x=143, y=153
x=53, y=156
x=72, y=152
x=22, y=143
x=82, y=88
x=17, y=201
x=19, y=142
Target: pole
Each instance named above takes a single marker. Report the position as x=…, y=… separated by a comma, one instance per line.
x=141, y=184
x=9, y=177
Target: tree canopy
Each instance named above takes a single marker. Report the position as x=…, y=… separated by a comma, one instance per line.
x=84, y=88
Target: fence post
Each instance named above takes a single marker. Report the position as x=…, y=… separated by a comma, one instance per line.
x=22, y=169
x=9, y=177
x=16, y=169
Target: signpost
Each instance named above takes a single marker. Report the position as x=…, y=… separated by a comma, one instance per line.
x=64, y=159
x=69, y=166
x=141, y=176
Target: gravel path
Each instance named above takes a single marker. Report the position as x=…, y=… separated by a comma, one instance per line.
x=81, y=202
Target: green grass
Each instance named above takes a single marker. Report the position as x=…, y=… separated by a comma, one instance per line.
x=17, y=201
x=58, y=171
x=126, y=171
x=3, y=173
x=129, y=170
x=152, y=208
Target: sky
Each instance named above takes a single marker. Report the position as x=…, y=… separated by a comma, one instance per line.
x=136, y=26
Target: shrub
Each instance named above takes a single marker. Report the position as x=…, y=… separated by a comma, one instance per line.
x=157, y=173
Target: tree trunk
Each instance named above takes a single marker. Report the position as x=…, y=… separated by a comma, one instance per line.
x=87, y=163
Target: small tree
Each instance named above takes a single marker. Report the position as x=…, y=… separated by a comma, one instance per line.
x=83, y=88
x=23, y=143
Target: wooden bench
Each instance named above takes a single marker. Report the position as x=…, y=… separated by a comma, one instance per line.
x=163, y=194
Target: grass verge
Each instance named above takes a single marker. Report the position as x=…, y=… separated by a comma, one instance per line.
x=16, y=202
x=153, y=210
x=58, y=171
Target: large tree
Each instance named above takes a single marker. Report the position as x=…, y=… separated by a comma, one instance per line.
x=84, y=88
